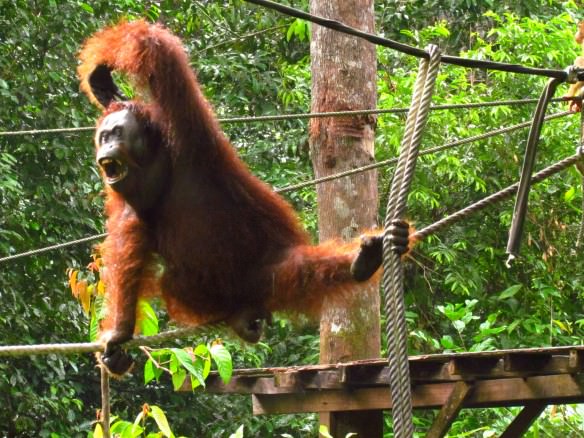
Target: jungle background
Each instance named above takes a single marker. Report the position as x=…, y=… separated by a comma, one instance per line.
x=252, y=62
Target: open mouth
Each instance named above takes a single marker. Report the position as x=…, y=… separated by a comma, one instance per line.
x=113, y=169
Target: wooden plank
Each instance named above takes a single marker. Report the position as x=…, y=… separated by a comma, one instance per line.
x=241, y=385
x=512, y=366
x=521, y=361
x=278, y=383
x=571, y=351
x=361, y=375
x=524, y=420
x=488, y=393
x=444, y=357
x=450, y=410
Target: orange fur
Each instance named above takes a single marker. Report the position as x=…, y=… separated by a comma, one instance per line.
x=575, y=88
x=228, y=242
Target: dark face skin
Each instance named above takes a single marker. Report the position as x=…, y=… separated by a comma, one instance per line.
x=133, y=159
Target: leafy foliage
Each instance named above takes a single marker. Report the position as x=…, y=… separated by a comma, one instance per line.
x=140, y=426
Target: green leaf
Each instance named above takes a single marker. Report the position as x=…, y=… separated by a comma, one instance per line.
x=161, y=421
x=238, y=433
x=195, y=368
x=510, y=291
x=513, y=326
x=93, y=329
x=178, y=379
x=148, y=322
x=459, y=325
x=86, y=7
x=570, y=194
x=125, y=429
x=149, y=373
x=290, y=32
x=447, y=342
x=224, y=362
x=139, y=418
x=203, y=359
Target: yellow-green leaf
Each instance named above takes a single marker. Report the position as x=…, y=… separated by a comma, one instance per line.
x=323, y=430
x=148, y=321
x=178, y=379
x=238, y=433
x=73, y=281
x=98, y=431
x=83, y=294
x=161, y=421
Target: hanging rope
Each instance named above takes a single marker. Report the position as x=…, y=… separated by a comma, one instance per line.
x=397, y=335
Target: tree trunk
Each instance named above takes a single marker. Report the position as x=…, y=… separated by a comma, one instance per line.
x=344, y=78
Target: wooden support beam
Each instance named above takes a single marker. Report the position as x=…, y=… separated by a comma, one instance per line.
x=557, y=389
x=450, y=410
x=524, y=420
x=423, y=369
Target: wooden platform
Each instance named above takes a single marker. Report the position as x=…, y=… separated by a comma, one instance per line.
x=533, y=378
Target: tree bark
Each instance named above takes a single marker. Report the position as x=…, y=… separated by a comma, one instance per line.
x=344, y=78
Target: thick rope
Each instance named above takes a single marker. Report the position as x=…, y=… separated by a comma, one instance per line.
x=395, y=327
x=92, y=347
x=501, y=195
x=397, y=335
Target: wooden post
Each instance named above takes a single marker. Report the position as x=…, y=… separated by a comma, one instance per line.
x=450, y=410
x=524, y=420
x=105, y=402
x=344, y=78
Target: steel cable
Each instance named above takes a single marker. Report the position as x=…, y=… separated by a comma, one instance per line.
x=290, y=188
x=301, y=116
x=409, y=50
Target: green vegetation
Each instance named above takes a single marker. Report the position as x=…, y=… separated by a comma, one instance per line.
x=255, y=62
